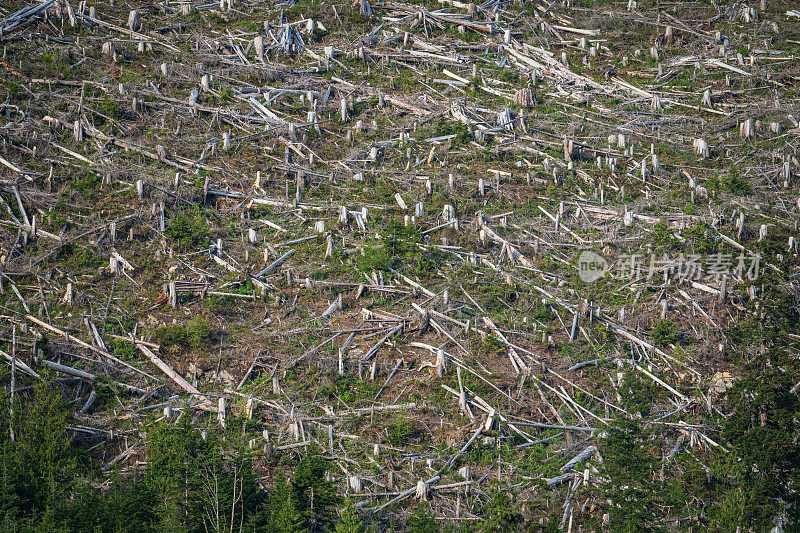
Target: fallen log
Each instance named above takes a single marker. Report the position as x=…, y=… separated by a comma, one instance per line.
x=205, y=405
x=79, y=342
x=64, y=369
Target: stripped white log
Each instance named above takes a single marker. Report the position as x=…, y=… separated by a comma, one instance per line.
x=249, y=407
x=258, y=45
x=441, y=362
x=655, y=103
x=134, y=21
x=20, y=365
x=85, y=375
x=489, y=423
x=205, y=404
x=701, y=148
x=422, y=490
x=69, y=295
x=312, y=120
x=706, y=98
x=747, y=129
x=89, y=402
x=222, y=411
x=335, y=306
x=585, y=454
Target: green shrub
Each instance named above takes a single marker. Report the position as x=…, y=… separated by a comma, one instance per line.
x=398, y=243
x=198, y=333
x=662, y=235
x=87, y=183
x=221, y=305
x=500, y=512
x=628, y=463
x=700, y=237
x=461, y=131
x=762, y=433
x=492, y=345
x=14, y=88
x=124, y=349
x=89, y=257
x=734, y=184
x=188, y=228
x=110, y=107
x=376, y=258
x=543, y=312
x=637, y=393
x=195, y=336
x=664, y=333
x=422, y=522
x=401, y=431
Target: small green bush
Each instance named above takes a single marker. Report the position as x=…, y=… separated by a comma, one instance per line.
x=637, y=393
x=398, y=243
x=700, y=236
x=422, y=522
x=195, y=336
x=664, y=333
x=89, y=257
x=491, y=345
x=543, y=312
x=188, y=228
x=221, y=305
x=734, y=184
x=124, y=349
x=662, y=235
x=87, y=183
x=461, y=131
x=401, y=431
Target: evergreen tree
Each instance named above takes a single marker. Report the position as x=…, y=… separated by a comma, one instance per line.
x=201, y=485
x=44, y=447
x=316, y=498
x=348, y=521
x=38, y=469
x=499, y=514
x=763, y=432
x=285, y=517
x=421, y=521
x=629, y=465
